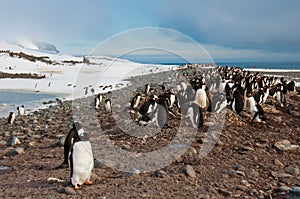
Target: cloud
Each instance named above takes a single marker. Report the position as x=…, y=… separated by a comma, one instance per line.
x=271, y=25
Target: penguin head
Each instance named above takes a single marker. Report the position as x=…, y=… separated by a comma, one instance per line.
x=83, y=135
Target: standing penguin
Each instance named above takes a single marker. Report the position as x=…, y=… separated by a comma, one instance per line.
x=161, y=114
x=135, y=101
x=81, y=160
x=11, y=117
x=72, y=137
x=107, y=105
x=21, y=110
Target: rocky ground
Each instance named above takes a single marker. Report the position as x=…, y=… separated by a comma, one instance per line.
x=21, y=75
x=249, y=160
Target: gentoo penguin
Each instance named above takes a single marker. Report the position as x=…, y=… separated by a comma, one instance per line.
x=148, y=107
x=71, y=137
x=161, y=113
x=107, y=105
x=81, y=160
x=98, y=100
x=194, y=112
x=21, y=110
x=11, y=117
x=135, y=101
x=257, y=113
x=201, y=98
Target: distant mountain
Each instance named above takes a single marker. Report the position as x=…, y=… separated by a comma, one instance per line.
x=43, y=46
x=37, y=45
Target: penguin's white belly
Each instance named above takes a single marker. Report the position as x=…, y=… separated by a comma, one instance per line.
x=83, y=162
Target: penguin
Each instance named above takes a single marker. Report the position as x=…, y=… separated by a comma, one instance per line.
x=72, y=137
x=107, y=105
x=218, y=103
x=81, y=160
x=237, y=104
x=86, y=89
x=135, y=101
x=255, y=109
x=11, y=117
x=98, y=100
x=161, y=113
x=146, y=111
x=194, y=112
x=201, y=98
x=21, y=111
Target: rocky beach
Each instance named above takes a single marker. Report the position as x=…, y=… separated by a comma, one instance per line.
x=249, y=160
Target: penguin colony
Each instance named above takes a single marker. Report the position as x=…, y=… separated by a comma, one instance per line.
x=210, y=91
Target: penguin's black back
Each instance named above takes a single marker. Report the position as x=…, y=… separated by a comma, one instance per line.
x=73, y=133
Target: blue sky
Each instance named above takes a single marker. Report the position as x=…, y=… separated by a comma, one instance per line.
x=228, y=30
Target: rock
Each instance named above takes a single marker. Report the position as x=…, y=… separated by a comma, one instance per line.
x=32, y=144
x=280, y=175
x=20, y=150
x=6, y=134
x=192, y=150
x=162, y=174
x=62, y=140
x=285, y=145
x=13, y=140
x=278, y=163
x=99, y=164
x=224, y=192
x=292, y=170
x=241, y=173
x=68, y=190
x=189, y=171
x=295, y=192
x=230, y=173
x=239, y=167
x=2, y=143
x=253, y=174
x=133, y=172
x=14, y=152
x=283, y=188
x=241, y=188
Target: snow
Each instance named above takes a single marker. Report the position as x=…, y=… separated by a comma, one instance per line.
x=70, y=80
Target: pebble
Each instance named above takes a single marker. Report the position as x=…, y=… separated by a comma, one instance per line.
x=189, y=171
x=14, y=151
x=239, y=167
x=283, y=188
x=241, y=173
x=2, y=143
x=278, y=163
x=99, y=164
x=68, y=190
x=285, y=145
x=292, y=170
x=133, y=172
x=162, y=174
x=241, y=188
x=280, y=175
x=224, y=192
x=295, y=191
x=62, y=140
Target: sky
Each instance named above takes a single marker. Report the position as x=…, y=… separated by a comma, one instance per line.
x=230, y=30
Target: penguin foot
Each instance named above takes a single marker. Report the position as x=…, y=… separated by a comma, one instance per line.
x=76, y=187
x=88, y=182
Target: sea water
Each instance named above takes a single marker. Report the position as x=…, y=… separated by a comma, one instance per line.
x=10, y=100
x=283, y=65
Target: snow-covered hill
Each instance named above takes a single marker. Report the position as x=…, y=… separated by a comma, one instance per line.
x=65, y=73
x=36, y=45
